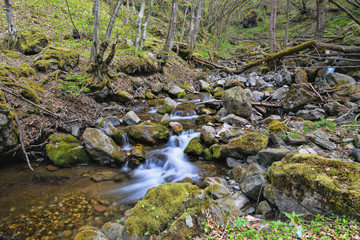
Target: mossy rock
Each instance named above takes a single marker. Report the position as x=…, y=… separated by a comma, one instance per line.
x=149, y=95
x=194, y=147
x=122, y=96
x=148, y=133
x=32, y=42
x=26, y=70
x=181, y=95
x=245, y=145
x=317, y=184
x=10, y=54
x=158, y=208
x=216, y=151
x=165, y=109
x=207, y=155
x=56, y=58
x=139, y=64
x=5, y=69
x=297, y=97
x=65, y=150
x=205, y=119
x=277, y=126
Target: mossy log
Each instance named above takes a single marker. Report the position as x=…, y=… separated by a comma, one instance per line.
x=296, y=49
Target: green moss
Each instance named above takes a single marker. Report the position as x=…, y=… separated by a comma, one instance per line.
x=11, y=54
x=4, y=72
x=42, y=65
x=277, y=126
x=150, y=95
x=204, y=119
x=216, y=151
x=64, y=150
x=194, y=147
x=14, y=70
x=207, y=155
x=336, y=181
x=2, y=97
x=27, y=91
x=148, y=133
x=61, y=58
x=211, y=188
x=122, y=96
x=186, y=86
x=165, y=109
x=30, y=40
x=248, y=144
x=181, y=95
x=159, y=207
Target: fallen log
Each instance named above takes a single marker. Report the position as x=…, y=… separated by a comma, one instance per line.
x=296, y=49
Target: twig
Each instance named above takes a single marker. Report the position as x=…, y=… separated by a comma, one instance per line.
x=308, y=84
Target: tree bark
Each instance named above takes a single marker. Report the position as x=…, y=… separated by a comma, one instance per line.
x=320, y=19
x=350, y=15
x=95, y=39
x=287, y=22
x=272, y=26
x=172, y=27
x=197, y=25
x=184, y=22
x=9, y=18
x=139, y=21
x=112, y=20
x=146, y=23
x=192, y=23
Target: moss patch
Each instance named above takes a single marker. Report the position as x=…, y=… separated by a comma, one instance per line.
x=277, y=126
x=32, y=42
x=148, y=133
x=159, y=207
x=216, y=151
x=194, y=147
x=56, y=58
x=248, y=144
x=11, y=54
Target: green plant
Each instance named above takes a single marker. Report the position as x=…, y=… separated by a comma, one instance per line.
x=74, y=84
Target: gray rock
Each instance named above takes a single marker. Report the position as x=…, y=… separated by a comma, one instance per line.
x=255, y=116
x=312, y=115
x=287, y=77
x=175, y=90
x=205, y=86
x=157, y=88
x=231, y=162
x=297, y=97
x=322, y=139
x=223, y=197
x=252, y=180
x=269, y=193
x=166, y=117
x=8, y=136
x=113, y=120
x=236, y=101
x=240, y=199
x=260, y=83
x=279, y=93
x=131, y=118
x=222, y=112
x=267, y=156
x=76, y=129
x=335, y=109
x=112, y=230
x=232, y=119
x=208, y=135
x=355, y=153
x=205, y=97
x=298, y=140
x=337, y=79
x=170, y=102
x=102, y=148
x=264, y=207
x=103, y=93
x=357, y=140
x=257, y=96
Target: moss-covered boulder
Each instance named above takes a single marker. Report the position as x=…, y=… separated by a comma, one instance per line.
x=159, y=208
x=308, y=183
x=148, y=133
x=102, y=148
x=216, y=151
x=248, y=144
x=65, y=150
x=32, y=42
x=277, y=126
x=297, y=97
x=122, y=96
x=56, y=58
x=142, y=64
x=8, y=132
x=236, y=101
x=194, y=147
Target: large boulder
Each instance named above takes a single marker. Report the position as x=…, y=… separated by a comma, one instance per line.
x=32, y=42
x=148, y=133
x=8, y=132
x=56, y=58
x=236, y=101
x=65, y=150
x=297, y=97
x=194, y=147
x=102, y=148
x=267, y=156
x=208, y=134
x=338, y=79
x=252, y=180
x=248, y=144
x=308, y=183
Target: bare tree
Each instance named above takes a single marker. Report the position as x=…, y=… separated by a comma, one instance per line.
x=287, y=21
x=192, y=22
x=272, y=26
x=197, y=25
x=171, y=33
x=112, y=20
x=9, y=18
x=95, y=39
x=146, y=23
x=184, y=22
x=139, y=21
x=320, y=18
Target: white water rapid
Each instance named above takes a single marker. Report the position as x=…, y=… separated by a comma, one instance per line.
x=168, y=164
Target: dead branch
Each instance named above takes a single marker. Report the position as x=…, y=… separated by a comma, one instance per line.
x=346, y=11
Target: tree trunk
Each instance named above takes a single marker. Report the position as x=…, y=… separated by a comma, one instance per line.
x=112, y=20
x=304, y=6
x=197, y=25
x=144, y=27
x=127, y=11
x=272, y=26
x=287, y=22
x=9, y=18
x=346, y=11
x=95, y=39
x=139, y=21
x=184, y=22
x=172, y=27
x=321, y=19
x=192, y=23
